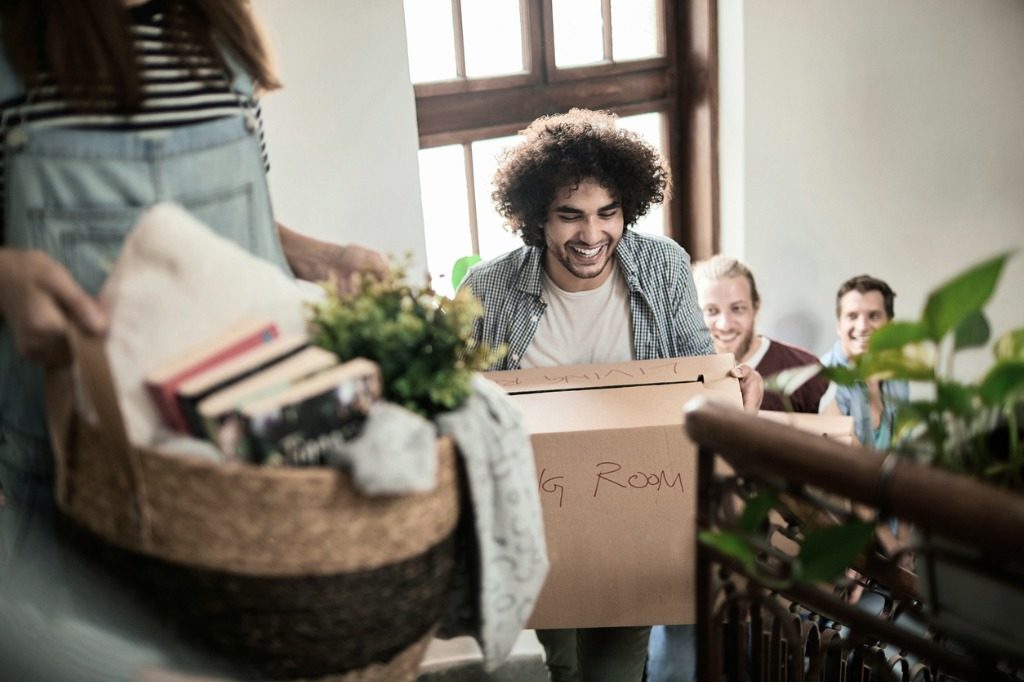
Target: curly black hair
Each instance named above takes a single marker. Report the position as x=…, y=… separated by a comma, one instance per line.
x=565, y=149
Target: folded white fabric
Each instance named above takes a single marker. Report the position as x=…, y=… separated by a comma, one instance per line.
x=176, y=282
x=394, y=454
x=509, y=532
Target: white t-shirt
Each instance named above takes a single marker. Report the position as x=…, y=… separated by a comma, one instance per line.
x=580, y=327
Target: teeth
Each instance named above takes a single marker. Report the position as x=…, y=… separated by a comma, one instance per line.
x=587, y=253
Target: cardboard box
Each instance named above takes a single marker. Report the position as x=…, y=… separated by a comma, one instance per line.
x=836, y=427
x=617, y=479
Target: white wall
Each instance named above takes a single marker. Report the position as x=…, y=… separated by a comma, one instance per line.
x=342, y=133
x=857, y=136
x=878, y=136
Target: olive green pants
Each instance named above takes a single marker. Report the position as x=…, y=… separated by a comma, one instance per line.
x=595, y=654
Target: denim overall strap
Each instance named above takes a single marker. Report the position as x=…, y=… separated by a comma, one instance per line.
x=75, y=194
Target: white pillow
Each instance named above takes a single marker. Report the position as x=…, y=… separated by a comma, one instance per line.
x=177, y=284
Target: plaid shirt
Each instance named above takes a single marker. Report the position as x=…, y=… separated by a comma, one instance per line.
x=667, y=322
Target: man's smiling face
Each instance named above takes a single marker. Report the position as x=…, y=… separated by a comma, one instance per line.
x=859, y=316
x=729, y=312
x=583, y=228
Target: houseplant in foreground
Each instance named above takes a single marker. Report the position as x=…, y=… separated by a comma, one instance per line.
x=972, y=428
x=422, y=341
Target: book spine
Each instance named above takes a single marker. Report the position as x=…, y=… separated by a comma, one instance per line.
x=311, y=432
x=165, y=394
x=212, y=426
x=189, y=405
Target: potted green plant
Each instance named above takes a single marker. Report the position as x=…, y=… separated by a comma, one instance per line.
x=422, y=341
x=971, y=428
x=953, y=427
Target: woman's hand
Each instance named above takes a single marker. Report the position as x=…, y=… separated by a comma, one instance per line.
x=318, y=261
x=38, y=300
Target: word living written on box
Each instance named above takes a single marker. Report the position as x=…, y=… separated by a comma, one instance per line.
x=609, y=477
x=670, y=370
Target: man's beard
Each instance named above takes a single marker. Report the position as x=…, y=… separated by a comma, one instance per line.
x=745, y=343
x=561, y=254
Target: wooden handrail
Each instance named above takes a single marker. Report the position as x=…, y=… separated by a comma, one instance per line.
x=954, y=506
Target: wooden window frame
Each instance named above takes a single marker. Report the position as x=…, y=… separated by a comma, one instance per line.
x=682, y=84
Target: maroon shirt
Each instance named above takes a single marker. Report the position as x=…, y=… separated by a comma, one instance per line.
x=782, y=356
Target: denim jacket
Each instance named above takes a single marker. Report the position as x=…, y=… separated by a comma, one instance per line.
x=75, y=194
x=853, y=401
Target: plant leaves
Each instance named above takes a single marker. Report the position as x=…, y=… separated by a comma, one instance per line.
x=1010, y=345
x=908, y=418
x=842, y=375
x=422, y=342
x=966, y=293
x=1004, y=382
x=973, y=331
x=897, y=335
x=954, y=397
x=826, y=553
x=730, y=544
x=461, y=267
x=789, y=381
x=893, y=363
x=756, y=511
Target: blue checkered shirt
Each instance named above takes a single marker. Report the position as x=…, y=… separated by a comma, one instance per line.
x=667, y=322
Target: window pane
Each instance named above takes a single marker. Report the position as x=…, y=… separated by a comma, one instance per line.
x=492, y=34
x=649, y=126
x=445, y=212
x=578, y=32
x=431, y=40
x=494, y=238
x=635, y=29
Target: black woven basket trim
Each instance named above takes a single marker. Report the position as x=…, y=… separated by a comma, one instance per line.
x=286, y=627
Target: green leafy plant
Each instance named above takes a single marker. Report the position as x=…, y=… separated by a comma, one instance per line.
x=972, y=428
x=461, y=267
x=824, y=548
x=422, y=341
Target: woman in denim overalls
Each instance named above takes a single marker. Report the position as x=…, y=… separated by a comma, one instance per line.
x=70, y=197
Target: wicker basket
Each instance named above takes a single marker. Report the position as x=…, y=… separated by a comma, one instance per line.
x=288, y=572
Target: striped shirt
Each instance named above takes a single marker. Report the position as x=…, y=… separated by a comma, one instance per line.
x=173, y=93
x=667, y=323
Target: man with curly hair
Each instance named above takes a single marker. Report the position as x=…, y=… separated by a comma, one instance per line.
x=583, y=289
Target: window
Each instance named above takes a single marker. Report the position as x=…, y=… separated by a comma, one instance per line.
x=483, y=69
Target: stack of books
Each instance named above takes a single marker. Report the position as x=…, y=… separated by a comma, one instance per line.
x=264, y=397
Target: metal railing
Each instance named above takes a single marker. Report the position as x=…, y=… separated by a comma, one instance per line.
x=759, y=620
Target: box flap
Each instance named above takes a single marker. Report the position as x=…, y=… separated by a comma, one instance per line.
x=640, y=393
x=635, y=372
x=834, y=426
